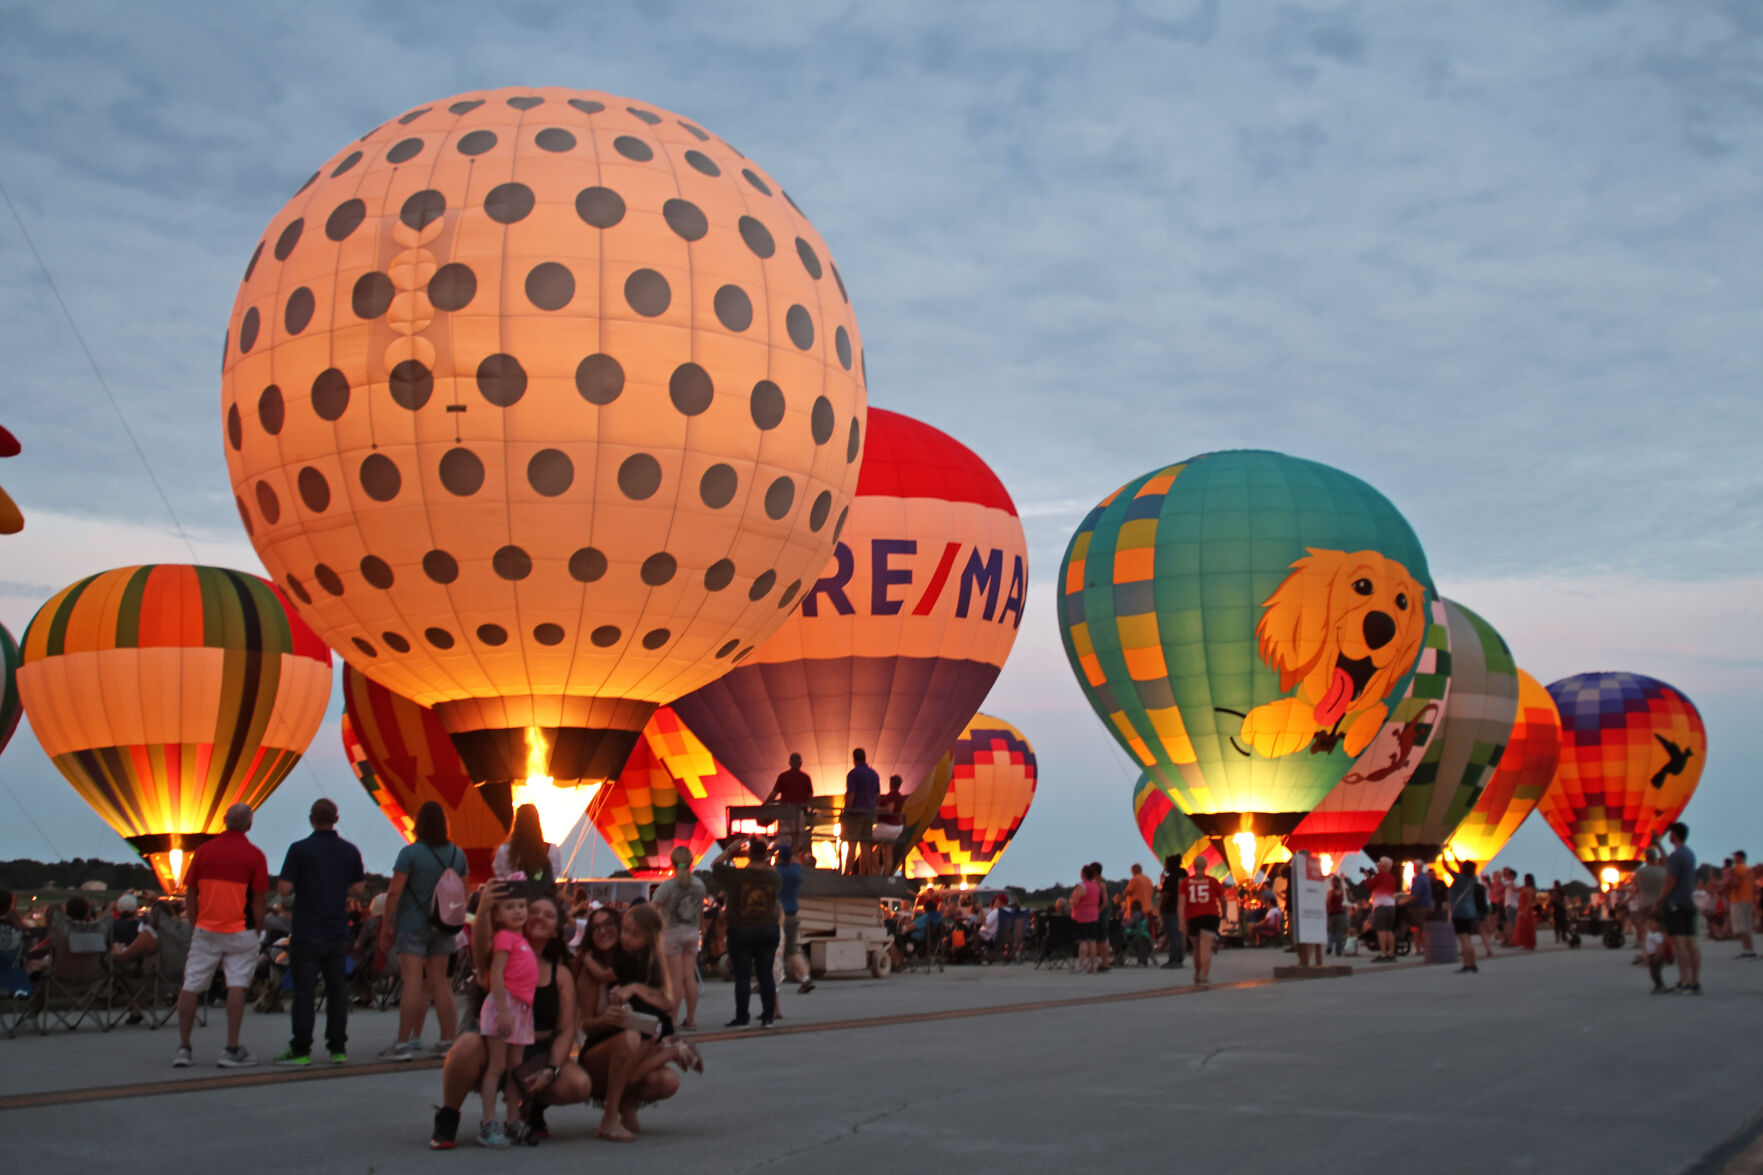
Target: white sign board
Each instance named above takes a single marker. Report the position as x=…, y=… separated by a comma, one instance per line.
x=1309, y=899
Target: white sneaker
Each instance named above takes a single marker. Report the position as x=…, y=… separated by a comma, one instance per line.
x=236, y=1059
x=401, y=1052
x=181, y=1059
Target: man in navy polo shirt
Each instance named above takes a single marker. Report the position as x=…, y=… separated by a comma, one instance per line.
x=322, y=872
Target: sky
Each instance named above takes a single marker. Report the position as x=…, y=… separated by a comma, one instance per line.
x=1500, y=258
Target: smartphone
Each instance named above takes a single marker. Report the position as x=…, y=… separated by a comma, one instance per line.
x=642, y=1022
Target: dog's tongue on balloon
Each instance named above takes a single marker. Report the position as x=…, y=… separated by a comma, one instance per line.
x=1335, y=702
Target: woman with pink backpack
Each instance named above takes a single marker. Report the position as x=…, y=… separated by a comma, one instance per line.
x=425, y=910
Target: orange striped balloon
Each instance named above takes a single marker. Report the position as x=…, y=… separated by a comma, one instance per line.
x=990, y=790
x=1526, y=767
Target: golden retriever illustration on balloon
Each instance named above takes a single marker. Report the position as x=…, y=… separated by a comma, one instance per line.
x=1343, y=628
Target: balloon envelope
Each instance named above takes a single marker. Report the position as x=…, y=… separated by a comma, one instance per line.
x=1632, y=752
x=643, y=816
x=542, y=405
x=897, y=644
x=708, y=788
x=10, y=707
x=1527, y=766
x=167, y=693
x=992, y=782
x=1166, y=831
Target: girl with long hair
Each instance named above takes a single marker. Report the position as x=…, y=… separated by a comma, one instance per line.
x=1086, y=911
x=423, y=948
x=526, y=851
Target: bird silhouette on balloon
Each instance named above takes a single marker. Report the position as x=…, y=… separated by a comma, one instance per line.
x=1676, y=759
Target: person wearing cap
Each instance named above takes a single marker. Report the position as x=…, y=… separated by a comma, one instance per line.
x=226, y=896
x=321, y=872
x=125, y=923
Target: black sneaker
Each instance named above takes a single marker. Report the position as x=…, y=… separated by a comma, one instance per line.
x=736, y=1024
x=446, y=1129
x=1693, y=989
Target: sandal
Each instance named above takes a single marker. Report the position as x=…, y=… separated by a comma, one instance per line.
x=687, y=1057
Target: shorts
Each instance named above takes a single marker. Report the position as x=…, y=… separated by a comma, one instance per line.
x=857, y=825
x=681, y=940
x=1416, y=915
x=1464, y=926
x=211, y=950
x=519, y=1025
x=1203, y=922
x=1089, y=931
x=430, y=942
x=1744, y=917
x=792, y=925
x=1680, y=921
x=1383, y=918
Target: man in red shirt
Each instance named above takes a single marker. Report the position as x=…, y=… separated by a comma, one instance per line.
x=793, y=787
x=1199, y=907
x=226, y=891
x=1383, y=885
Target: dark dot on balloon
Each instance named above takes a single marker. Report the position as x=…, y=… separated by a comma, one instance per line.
x=550, y=472
x=476, y=142
x=789, y=596
x=465, y=107
x=330, y=394
x=492, y=634
x=423, y=208
x=757, y=236
x=440, y=566
x=600, y=207
x=395, y=642
x=298, y=312
x=599, y=379
x=461, y=472
x=587, y=105
x=733, y=308
x=656, y=637
x=696, y=132
x=842, y=344
x=376, y=571
x=817, y=513
x=502, y=380
x=380, y=477
x=728, y=648
x=248, y=330
x=855, y=444
x=690, y=389
x=271, y=411
x=605, y=636
x=526, y=102
x=512, y=562
x=548, y=634
x=298, y=588
x=839, y=526
x=820, y=420
x=554, y=138
x=404, y=151
x=800, y=326
x=364, y=646
x=767, y=404
x=841, y=283
x=779, y=497
x=508, y=203
x=372, y=294
x=411, y=384
x=717, y=486
x=348, y=161
x=328, y=579
x=453, y=286
x=702, y=163
x=268, y=504
x=244, y=516
x=810, y=261
x=290, y=237
x=310, y=180
x=647, y=292
x=752, y=177
x=659, y=568
x=633, y=148
x=315, y=491
x=344, y=219
x=762, y=585
x=587, y=565
x=235, y=428
x=685, y=218
x=440, y=638
x=639, y=476
x=414, y=115
x=251, y=265
x=550, y=286
x=647, y=116
x=719, y=575
x=742, y=655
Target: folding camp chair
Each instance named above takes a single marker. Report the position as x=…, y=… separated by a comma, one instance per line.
x=149, y=988
x=15, y=981
x=1059, y=948
x=75, y=986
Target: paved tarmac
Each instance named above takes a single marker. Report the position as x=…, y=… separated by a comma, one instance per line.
x=1556, y=1061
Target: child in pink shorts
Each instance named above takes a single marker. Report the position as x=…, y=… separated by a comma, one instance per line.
x=507, y=1016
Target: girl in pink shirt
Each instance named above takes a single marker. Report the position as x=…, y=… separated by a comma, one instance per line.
x=506, y=1020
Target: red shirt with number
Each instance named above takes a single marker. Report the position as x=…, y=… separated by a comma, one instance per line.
x=1203, y=896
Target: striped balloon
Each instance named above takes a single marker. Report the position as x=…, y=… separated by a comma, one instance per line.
x=1526, y=768
x=1161, y=823
x=382, y=796
x=167, y=693
x=708, y=788
x=10, y=707
x=643, y=815
x=991, y=787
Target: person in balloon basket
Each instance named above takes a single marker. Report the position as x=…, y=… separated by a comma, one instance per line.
x=1199, y=909
x=1678, y=910
x=1383, y=886
x=226, y=897
x=322, y=872
x=793, y=787
x=750, y=887
x=857, y=820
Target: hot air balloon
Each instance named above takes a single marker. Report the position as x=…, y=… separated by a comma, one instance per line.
x=403, y=757
x=1632, y=752
x=10, y=707
x=11, y=519
x=1166, y=831
x=167, y=693
x=643, y=816
x=991, y=785
x=1243, y=623
x=544, y=405
x=708, y=788
x=898, y=642
x=1352, y=810
x=1479, y=715
x=1527, y=765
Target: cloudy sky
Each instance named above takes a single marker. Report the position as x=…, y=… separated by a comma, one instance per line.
x=1501, y=259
